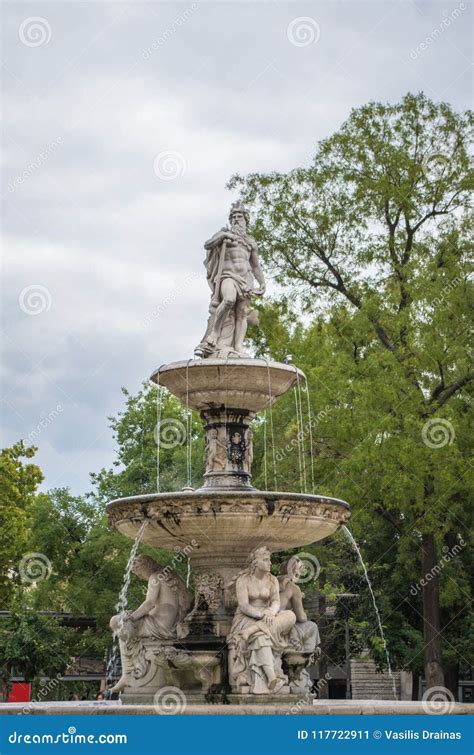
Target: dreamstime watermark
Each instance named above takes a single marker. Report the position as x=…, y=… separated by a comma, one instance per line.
x=170, y=30
x=45, y=421
x=35, y=299
x=35, y=31
x=169, y=701
x=169, y=433
x=160, y=308
x=69, y=737
x=180, y=555
x=438, y=701
x=434, y=161
x=448, y=555
x=282, y=453
x=437, y=433
x=34, y=567
x=308, y=699
x=42, y=693
x=439, y=300
x=303, y=568
x=437, y=31
x=169, y=165
x=35, y=164
x=303, y=31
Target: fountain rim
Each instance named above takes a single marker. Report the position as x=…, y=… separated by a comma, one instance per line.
x=237, y=494
x=232, y=362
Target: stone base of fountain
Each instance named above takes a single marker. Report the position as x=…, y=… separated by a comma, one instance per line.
x=317, y=708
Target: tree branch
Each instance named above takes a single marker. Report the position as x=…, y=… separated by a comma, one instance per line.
x=440, y=397
x=389, y=518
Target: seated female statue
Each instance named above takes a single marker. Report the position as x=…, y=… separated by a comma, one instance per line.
x=259, y=632
x=166, y=603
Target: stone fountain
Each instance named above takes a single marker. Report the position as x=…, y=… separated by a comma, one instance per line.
x=243, y=636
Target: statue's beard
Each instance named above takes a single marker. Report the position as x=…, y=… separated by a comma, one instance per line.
x=239, y=227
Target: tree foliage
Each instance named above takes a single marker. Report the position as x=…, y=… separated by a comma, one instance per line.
x=373, y=240
x=19, y=480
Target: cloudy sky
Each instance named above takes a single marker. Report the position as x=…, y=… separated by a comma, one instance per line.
x=122, y=122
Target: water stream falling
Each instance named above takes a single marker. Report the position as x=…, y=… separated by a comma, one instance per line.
x=121, y=603
x=310, y=433
x=265, y=472
x=301, y=430
x=350, y=537
x=189, y=448
x=272, y=433
x=159, y=409
x=298, y=438
x=188, y=574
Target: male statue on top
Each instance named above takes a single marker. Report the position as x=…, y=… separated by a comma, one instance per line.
x=232, y=265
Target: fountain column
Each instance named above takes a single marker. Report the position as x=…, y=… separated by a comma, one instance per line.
x=229, y=448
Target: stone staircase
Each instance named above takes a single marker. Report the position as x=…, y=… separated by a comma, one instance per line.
x=370, y=684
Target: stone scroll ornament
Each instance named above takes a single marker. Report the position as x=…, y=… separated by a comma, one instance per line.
x=232, y=267
x=166, y=603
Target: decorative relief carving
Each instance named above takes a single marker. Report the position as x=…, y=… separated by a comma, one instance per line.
x=216, y=449
x=164, y=510
x=236, y=447
x=208, y=592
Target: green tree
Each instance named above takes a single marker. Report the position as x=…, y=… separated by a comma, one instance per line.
x=377, y=230
x=19, y=481
x=352, y=462
x=87, y=559
x=32, y=645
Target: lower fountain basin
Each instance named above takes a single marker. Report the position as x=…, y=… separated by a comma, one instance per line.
x=224, y=527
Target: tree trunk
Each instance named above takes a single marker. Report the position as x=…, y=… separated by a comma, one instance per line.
x=415, y=686
x=434, y=675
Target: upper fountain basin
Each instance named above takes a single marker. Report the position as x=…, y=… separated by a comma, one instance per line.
x=251, y=384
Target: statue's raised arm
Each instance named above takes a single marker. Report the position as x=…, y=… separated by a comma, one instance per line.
x=232, y=267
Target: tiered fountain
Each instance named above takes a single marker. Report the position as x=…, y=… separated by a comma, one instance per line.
x=243, y=636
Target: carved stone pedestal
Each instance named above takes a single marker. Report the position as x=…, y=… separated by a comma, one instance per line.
x=187, y=668
x=295, y=665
